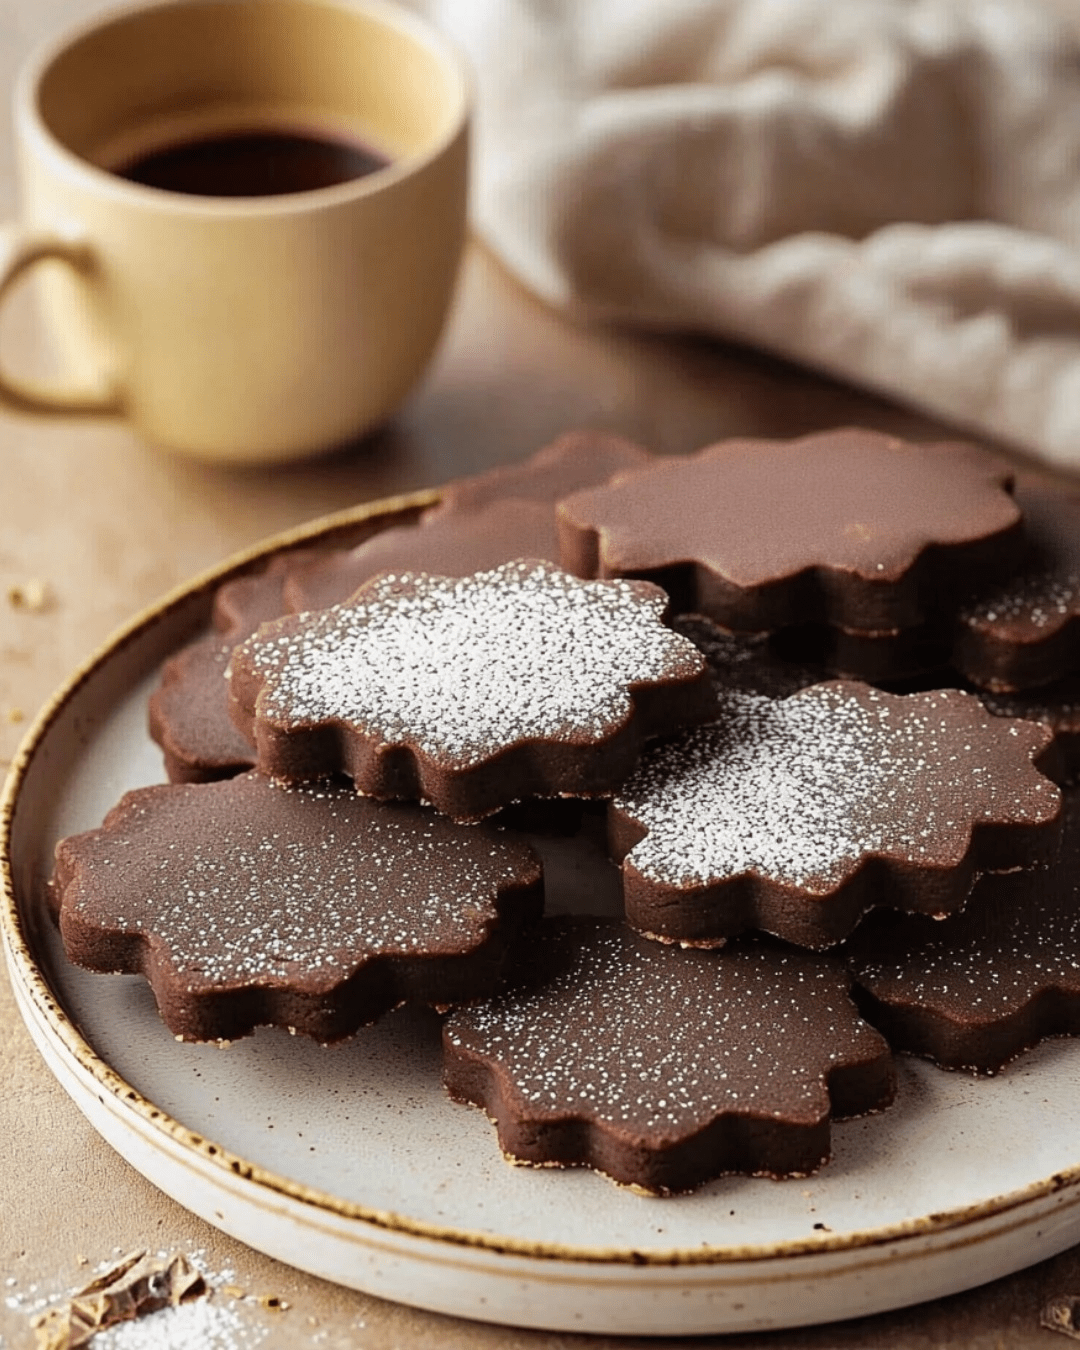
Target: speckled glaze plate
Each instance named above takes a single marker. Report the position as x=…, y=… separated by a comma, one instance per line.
x=350, y=1163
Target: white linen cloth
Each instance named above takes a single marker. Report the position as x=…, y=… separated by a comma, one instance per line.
x=888, y=190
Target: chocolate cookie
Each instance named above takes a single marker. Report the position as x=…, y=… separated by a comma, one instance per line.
x=189, y=710
x=851, y=528
x=795, y=815
x=661, y=1067
x=247, y=903
x=977, y=989
x=470, y=692
x=1057, y=706
x=575, y=460
x=242, y=604
x=447, y=544
x=189, y=715
x=1026, y=631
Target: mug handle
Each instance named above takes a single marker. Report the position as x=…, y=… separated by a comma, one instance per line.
x=21, y=249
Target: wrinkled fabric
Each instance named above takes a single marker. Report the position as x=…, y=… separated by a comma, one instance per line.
x=888, y=190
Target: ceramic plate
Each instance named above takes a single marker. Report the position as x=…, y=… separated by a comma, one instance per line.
x=350, y=1163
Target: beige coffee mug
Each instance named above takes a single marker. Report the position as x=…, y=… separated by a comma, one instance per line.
x=240, y=329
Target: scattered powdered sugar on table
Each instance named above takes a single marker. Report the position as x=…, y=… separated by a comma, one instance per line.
x=459, y=667
x=639, y=1032
x=201, y=1325
x=215, y=1315
x=802, y=789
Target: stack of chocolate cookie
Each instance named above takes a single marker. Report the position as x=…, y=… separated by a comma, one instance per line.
x=662, y=637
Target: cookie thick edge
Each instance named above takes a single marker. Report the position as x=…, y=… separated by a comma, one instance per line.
x=732, y=1145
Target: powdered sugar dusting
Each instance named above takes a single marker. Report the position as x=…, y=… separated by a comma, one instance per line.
x=632, y=1032
x=1037, y=601
x=215, y=1316
x=984, y=967
x=460, y=667
x=802, y=789
x=1043, y=595
x=248, y=880
x=1056, y=704
x=1018, y=936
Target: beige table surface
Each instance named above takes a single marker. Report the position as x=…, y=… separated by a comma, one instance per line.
x=109, y=523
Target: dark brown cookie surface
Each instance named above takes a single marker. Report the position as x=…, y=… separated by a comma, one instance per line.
x=1026, y=631
x=1057, y=706
x=574, y=460
x=189, y=710
x=977, y=989
x=246, y=903
x=794, y=815
x=446, y=544
x=472, y=692
x=480, y=521
x=245, y=602
x=745, y=662
x=661, y=1067
x=189, y=715
x=851, y=528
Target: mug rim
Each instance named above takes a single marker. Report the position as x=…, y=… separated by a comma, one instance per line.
x=34, y=131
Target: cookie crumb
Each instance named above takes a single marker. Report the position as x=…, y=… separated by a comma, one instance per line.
x=133, y=1287
x=1062, y=1314
x=33, y=596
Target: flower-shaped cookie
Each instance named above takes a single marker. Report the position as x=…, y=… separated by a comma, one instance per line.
x=852, y=528
x=189, y=709
x=247, y=903
x=1027, y=630
x=662, y=1067
x=479, y=522
x=470, y=692
x=795, y=815
x=977, y=989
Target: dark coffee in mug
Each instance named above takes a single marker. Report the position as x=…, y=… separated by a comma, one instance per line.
x=253, y=164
